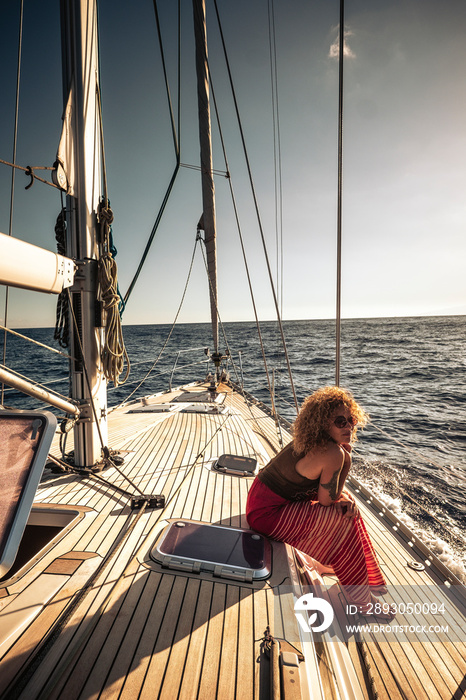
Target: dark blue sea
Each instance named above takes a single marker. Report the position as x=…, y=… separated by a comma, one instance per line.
x=408, y=373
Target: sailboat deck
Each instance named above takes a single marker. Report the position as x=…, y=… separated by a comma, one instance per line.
x=113, y=623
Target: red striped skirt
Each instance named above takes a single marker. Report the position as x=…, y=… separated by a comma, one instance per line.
x=321, y=532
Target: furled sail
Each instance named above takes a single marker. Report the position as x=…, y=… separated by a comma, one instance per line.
x=65, y=165
x=207, y=222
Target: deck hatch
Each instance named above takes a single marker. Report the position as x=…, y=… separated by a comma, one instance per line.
x=236, y=465
x=204, y=408
x=153, y=408
x=227, y=552
x=25, y=437
x=199, y=397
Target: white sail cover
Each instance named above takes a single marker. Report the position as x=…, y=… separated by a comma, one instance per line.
x=65, y=174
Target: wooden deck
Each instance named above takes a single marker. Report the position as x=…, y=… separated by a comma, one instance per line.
x=96, y=617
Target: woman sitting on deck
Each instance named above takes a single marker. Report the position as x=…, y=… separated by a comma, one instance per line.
x=299, y=497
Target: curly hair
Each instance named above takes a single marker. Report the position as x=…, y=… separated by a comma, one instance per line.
x=310, y=427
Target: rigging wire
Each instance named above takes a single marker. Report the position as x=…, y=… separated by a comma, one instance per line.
x=277, y=152
x=175, y=127
x=217, y=311
x=340, y=191
x=169, y=334
x=12, y=192
x=256, y=204
x=277, y=166
x=240, y=234
x=235, y=208
x=222, y=173
x=35, y=342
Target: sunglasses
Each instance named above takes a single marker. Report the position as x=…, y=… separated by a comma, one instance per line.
x=341, y=421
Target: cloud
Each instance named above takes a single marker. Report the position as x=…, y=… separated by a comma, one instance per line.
x=335, y=47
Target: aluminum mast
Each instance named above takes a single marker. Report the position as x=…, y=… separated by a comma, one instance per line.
x=80, y=86
x=207, y=222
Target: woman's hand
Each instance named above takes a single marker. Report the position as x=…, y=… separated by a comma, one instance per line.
x=347, y=507
x=349, y=495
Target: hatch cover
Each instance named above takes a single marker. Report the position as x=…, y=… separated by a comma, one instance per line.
x=25, y=439
x=226, y=552
x=235, y=465
x=199, y=397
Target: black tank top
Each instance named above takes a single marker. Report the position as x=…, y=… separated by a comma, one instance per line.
x=281, y=477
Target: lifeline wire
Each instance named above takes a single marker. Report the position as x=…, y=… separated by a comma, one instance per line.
x=35, y=342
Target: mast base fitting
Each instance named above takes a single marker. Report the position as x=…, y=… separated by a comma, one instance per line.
x=115, y=459
x=151, y=502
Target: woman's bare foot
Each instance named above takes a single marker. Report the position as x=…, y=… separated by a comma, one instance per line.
x=321, y=569
x=325, y=570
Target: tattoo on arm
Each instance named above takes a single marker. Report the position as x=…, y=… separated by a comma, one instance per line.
x=332, y=485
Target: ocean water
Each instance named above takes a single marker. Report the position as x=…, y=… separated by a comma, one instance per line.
x=408, y=373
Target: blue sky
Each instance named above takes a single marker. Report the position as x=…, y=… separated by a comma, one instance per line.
x=404, y=212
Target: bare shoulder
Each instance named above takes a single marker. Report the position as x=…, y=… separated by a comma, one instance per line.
x=322, y=460
x=332, y=456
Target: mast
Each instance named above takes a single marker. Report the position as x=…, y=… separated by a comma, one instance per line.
x=207, y=222
x=80, y=86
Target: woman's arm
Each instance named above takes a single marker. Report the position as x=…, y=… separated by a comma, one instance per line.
x=346, y=465
x=337, y=463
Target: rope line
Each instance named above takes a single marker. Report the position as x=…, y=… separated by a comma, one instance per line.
x=114, y=355
x=29, y=170
x=221, y=173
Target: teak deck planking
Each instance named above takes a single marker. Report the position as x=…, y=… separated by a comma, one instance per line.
x=143, y=631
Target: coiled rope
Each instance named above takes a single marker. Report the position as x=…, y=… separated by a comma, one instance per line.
x=62, y=321
x=114, y=355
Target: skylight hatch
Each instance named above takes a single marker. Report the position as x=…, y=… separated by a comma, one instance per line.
x=226, y=552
